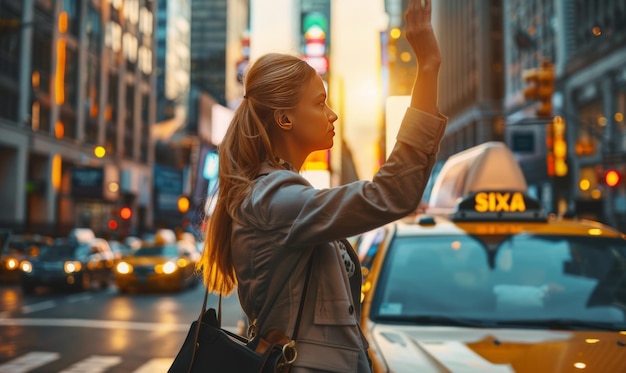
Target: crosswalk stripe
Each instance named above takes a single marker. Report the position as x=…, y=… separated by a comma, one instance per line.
x=93, y=364
x=28, y=362
x=39, y=306
x=155, y=366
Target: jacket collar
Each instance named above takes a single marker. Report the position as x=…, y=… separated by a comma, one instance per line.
x=267, y=167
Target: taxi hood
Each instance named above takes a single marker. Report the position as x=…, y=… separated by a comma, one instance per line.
x=148, y=260
x=409, y=349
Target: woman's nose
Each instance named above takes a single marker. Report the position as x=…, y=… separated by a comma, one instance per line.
x=332, y=116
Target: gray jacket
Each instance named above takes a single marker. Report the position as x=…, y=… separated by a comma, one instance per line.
x=285, y=219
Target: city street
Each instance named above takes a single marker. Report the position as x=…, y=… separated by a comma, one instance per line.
x=100, y=331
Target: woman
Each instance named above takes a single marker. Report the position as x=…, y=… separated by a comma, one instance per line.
x=269, y=222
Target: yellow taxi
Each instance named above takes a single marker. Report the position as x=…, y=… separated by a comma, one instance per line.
x=486, y=281
x=164, y=264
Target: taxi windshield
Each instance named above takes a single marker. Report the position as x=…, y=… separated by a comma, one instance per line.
x=502, y=279
x=164, y=250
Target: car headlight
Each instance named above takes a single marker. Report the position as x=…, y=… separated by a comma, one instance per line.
x=26, y=266
x=166, y=268
x=71, y=267
x=123, y=268
x=12, y=264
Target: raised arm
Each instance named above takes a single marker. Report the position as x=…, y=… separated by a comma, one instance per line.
x=421, y=37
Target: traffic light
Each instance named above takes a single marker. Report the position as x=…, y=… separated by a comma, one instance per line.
x=559, y=146
x=541, y=87
x=126, y=212
x=612, y=178
x=112, y=224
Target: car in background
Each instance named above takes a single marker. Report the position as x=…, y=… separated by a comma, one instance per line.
x=486, y=281
x=14, y=249
x=159, y=266
x=133, y=242
x=69, y=264
x=120, y=249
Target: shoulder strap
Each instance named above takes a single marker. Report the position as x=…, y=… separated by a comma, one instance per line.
x=305, y=287
x=304, y=292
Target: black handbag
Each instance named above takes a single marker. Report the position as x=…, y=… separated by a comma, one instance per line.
x=208, y=348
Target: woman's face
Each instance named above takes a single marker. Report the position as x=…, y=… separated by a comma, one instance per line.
x=312, y=119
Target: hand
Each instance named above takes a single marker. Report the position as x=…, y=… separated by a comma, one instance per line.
x=420, y=34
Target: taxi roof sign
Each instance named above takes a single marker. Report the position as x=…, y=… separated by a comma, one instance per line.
x=499, y=205
x=490, y=166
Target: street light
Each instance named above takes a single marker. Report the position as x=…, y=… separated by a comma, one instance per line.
x=99, y=151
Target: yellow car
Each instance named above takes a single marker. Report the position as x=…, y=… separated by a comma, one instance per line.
x=486, y=281
x=167, y=266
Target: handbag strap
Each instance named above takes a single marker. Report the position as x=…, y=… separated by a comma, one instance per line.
x=219, y=313
x=302, y=297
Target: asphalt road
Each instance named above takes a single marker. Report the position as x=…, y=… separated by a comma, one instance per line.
x=98, y=331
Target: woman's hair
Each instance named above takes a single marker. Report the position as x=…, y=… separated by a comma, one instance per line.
x=272, y=83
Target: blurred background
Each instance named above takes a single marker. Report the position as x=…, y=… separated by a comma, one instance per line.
x=111, y=110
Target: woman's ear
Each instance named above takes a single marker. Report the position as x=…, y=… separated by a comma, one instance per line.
x=282, y=119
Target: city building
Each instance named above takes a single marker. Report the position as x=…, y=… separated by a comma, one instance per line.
x=171, y=163
x=209, y=46
x=219, y=55
x=593, y=95
x=471, y=83
x=546, y=76
x=532, y=36
x=173, y=60
x=77, y=81
x=586, y=45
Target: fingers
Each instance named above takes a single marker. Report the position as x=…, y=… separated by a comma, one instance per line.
x=418, y=10
x=420, y=34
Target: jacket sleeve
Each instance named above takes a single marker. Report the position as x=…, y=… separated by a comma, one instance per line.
x=304, y=215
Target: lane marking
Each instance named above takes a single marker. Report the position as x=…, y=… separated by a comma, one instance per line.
x=93, y=364
x=155, y=366
x=105, y=324
x=28, y=362
x=39, y=306
x=98, y=324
